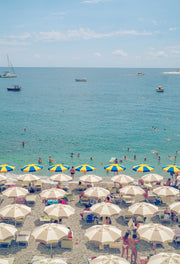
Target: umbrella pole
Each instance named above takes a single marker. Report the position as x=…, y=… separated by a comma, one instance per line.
x=51, y=251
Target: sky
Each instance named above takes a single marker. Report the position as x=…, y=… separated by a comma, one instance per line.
x=90, y=33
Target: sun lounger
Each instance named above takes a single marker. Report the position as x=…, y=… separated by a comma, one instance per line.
x=31, y=198
x=70, y=197
x=128, y=199
x=6, y=243
x=67, y=243
x=20, y=200
x=80, y=188
x=177, y=240
x=23, y=237
x=45, y=219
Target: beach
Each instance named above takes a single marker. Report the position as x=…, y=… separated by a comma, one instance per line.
x=82, y=249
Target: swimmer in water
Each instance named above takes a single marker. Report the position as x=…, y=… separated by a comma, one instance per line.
x=78, y=155
x=40, y=160
x=50, y=160
x=72, y=154
x=134, y=157
x=23, y=144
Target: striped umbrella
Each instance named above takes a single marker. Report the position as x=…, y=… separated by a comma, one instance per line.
x=58, y=168
x=171, y=169
x=6, y=168
x=32, y=168
x=143, y=168
x=114, y=167
x=165, y=258
x=109, y=259
x=84, y=168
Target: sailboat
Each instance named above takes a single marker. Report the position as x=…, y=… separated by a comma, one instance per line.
x=10, y=73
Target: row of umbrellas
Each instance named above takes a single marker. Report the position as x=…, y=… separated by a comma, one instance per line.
x=86, y=168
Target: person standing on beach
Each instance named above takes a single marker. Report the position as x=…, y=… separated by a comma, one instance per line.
x=72, y=171
x=134, y=242
x=125, y=245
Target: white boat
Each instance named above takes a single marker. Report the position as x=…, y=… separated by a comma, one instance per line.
x=139, y=73
x=159, y=89
x=10, y=73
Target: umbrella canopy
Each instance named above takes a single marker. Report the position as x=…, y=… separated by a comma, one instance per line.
x=175, y=207
x=109, y=259
x=143, y=209
x=171, y=169
x=52, y=193
x=15, y=192
x=143, y=168
x=132, y=190
x=58, y=168
x=122, y=179
x=150, y=178
x=2, y=178
x=50, y=261
x=85, y=168
x=156, y=233
x=61, y=178
x=96, y=192
x=32, y=168
x=105, y=209
x=90, y=178
x=103, y=233
x=114, y=167
x=4, y=261
x=15, y=211
x=6, y=168
x=28, y=178
x=50, y=233
x=165, y=258
x=59, y=211
x=7, y=231
x=165, y=191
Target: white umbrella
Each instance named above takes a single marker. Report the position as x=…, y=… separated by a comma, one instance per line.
x=103, y=233
x=96, y=192
x=59, y=211
x=61, y=178
x=151, y=177
x=15, y=192
x=28, y=178
x=143, y=209
x=7, y=231
x=15, y=211
x=175, y=207
x=2, y=178
x=132, y=190
x=51, y=261
x=105, y=209
x=166, y=191
x=4, y=261
x=109, y=259
x=122, y=179
x=156, y=233
x=52, y=193
x=90, y=178
x=165, y=258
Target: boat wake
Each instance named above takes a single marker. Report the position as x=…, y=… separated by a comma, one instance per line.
x=178, y=72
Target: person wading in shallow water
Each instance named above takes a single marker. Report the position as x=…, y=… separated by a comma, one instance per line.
x=72, y=171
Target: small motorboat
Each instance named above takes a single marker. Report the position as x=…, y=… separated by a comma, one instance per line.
x=15, y=88
x=139, y=73
x=159, y=89
x=81, y=80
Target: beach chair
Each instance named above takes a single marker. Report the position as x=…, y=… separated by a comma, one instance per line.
x=38, y=186
x=31, y=199
x=177, y=240
x=6, y=243
x=70, y=197
x=67, y=243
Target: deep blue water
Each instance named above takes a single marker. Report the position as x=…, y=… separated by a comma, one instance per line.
x=100, y=118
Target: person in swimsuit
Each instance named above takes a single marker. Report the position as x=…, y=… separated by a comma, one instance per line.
x=125, y=245
x=134, y=242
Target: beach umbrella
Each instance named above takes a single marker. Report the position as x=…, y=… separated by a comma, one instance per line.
x=32, y=168
x=143, y=209
x=15, y=211
x=50, y=261
x=165, y=258
x=4, y=261
x=105, y=209
x=6, y=168
x=171, y=169
x=60, y=178
x=15, y=192
x=103, y=233
x=59, y=168
x=96, y=192
x=132, y=190
x=175, y=207
x=151, y=178
x=122, y=179
x=114, y=167
x=90, y=179
x=59, y=211
x=166, y=191
x=84, y=168
x=109, y=259
x=28, y=178
x=52, y=193
x=143, y=168
x=2, y=178
x=50, y=233
x=7, y=231
x=156, y=233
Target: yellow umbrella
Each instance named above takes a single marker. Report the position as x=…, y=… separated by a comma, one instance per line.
x=165, y=258
x=96, y=192
x=6, y=168
x=32, y=168
x=109, y=259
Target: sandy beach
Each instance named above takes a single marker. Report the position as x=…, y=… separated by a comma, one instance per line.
x=82, y=249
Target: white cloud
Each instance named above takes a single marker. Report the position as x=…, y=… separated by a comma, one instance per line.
x=24, y=36
x=158, y=54
x=37, y=56
x=175, y=52
x=93, y=1
x=12, y=43
x=97, y=54
x=172, y=29
x=119, y=53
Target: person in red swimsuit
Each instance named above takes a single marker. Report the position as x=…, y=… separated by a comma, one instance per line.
x=133, y=243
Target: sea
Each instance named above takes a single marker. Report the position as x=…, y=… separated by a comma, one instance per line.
x=115, y=114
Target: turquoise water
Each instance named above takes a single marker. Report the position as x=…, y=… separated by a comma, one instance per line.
x=101, y=118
